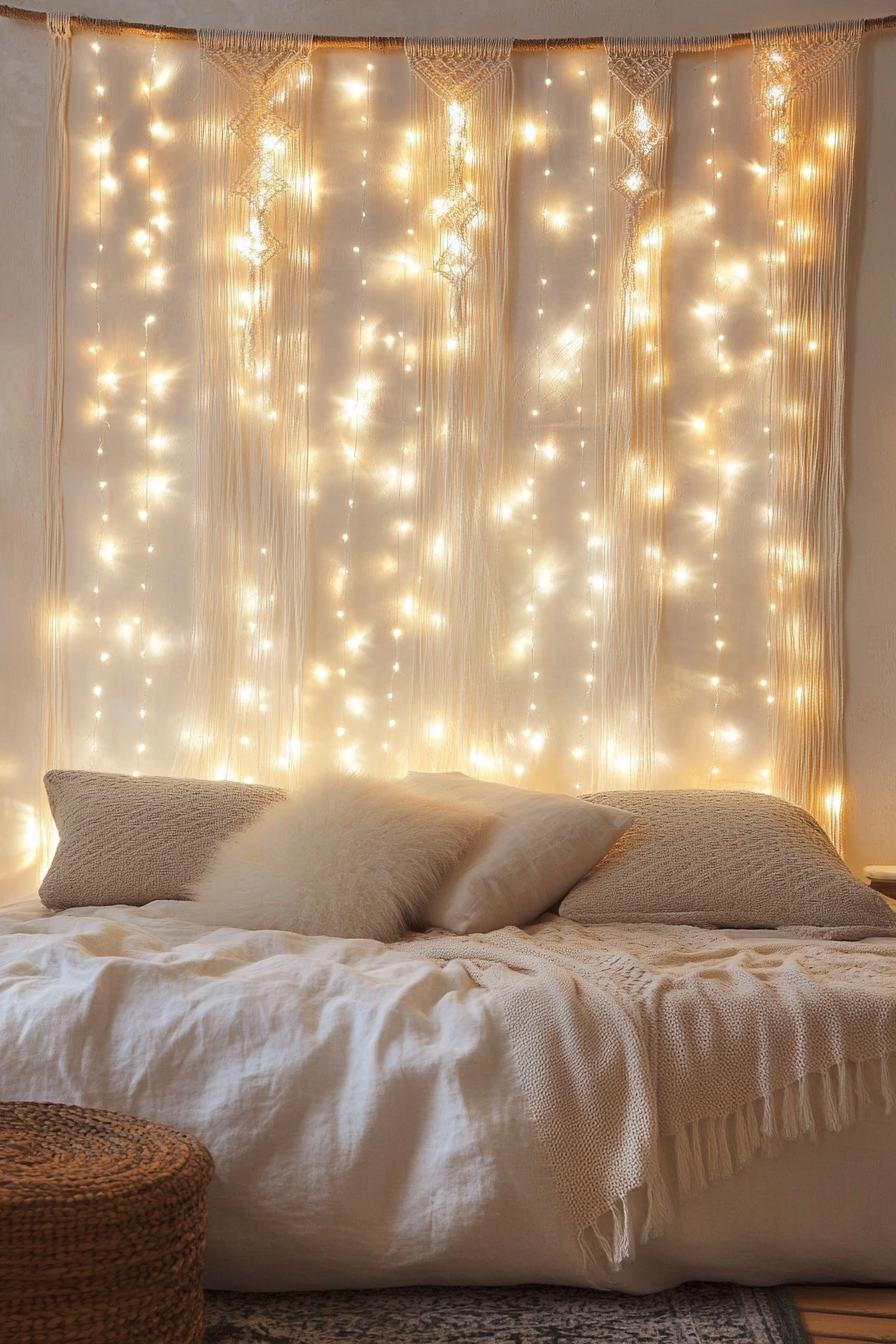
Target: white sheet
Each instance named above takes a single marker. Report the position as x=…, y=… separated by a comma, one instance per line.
x=363, y=1114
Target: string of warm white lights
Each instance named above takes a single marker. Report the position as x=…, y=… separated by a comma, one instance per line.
x=357, y=408
x=597, y=120
x=402, y=526
x=716, y=452
x=539, y=579
x=153, y=276
x=768, y=193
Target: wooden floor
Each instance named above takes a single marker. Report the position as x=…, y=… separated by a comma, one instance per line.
x=847, y=1313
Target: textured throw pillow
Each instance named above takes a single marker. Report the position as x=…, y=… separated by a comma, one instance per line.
x=540, y=844
x=127, y=841
x=724, y=860
x=349, y=857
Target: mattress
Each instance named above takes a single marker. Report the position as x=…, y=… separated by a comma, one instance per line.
x=365, y=1120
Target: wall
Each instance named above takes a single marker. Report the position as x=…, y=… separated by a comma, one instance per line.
x=870, y=725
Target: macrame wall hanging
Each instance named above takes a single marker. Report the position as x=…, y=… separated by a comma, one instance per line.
x=244, y=699
x=463, y=130
x=53, y=616
x=632, y=469
x=807, y=90
x=467, y=269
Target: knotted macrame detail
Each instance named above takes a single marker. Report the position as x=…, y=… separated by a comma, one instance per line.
x=806, y=85
x=261, y=68
x=787, y=64
x=456, y=73
x=643, y=77
x=59, y=25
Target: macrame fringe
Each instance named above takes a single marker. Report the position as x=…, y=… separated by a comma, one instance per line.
x=463, y=94
x=631, y=468
x=806, y=86
x=714, y=1149
x=53, y=641
x=243, y=717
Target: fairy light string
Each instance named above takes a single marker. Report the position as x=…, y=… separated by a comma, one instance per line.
x=152, y=273
x=597, y=117
x=772, y=203
x=352, y=702
x=718, y=437
x=537, y=583
x=402, y=526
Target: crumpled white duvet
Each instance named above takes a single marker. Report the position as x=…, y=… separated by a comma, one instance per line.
x=365, y=1118
x=360, y=1108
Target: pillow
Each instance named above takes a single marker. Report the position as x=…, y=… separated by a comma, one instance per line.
x=126, y=840
x=540, y=845
x=724, y=860
x=349, y=857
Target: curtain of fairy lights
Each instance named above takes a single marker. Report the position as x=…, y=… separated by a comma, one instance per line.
x=808, y=92
x=390, y=457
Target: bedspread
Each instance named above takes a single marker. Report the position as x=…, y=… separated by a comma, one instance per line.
x=375, y=1112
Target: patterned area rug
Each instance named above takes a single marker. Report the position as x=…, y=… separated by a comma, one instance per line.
x=695, y=1313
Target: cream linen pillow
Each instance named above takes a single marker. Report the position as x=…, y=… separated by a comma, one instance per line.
x=540, y=844
x=349, y=857
x=127, y=841
x=729, y=860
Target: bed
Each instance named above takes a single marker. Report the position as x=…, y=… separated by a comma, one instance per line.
x=365, y=1112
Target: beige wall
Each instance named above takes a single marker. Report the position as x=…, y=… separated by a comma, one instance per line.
x=871, y=486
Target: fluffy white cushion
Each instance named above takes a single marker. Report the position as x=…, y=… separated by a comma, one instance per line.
x=540, y=846
x=349, y=857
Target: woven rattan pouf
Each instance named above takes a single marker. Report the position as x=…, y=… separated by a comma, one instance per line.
x=102, y=1228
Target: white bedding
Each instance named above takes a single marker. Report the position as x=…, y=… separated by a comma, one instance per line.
x=365, y=1119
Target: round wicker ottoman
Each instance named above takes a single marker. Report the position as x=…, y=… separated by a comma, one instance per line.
x=102, y=1228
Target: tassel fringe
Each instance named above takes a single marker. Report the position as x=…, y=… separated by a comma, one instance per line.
x=713, y=1149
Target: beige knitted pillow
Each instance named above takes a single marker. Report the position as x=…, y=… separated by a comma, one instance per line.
x=724, y=860
x=127, y=841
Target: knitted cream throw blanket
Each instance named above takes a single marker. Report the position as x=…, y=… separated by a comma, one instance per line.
x=656, y=1061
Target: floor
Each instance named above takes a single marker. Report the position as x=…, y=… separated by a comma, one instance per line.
x=847, y=1313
